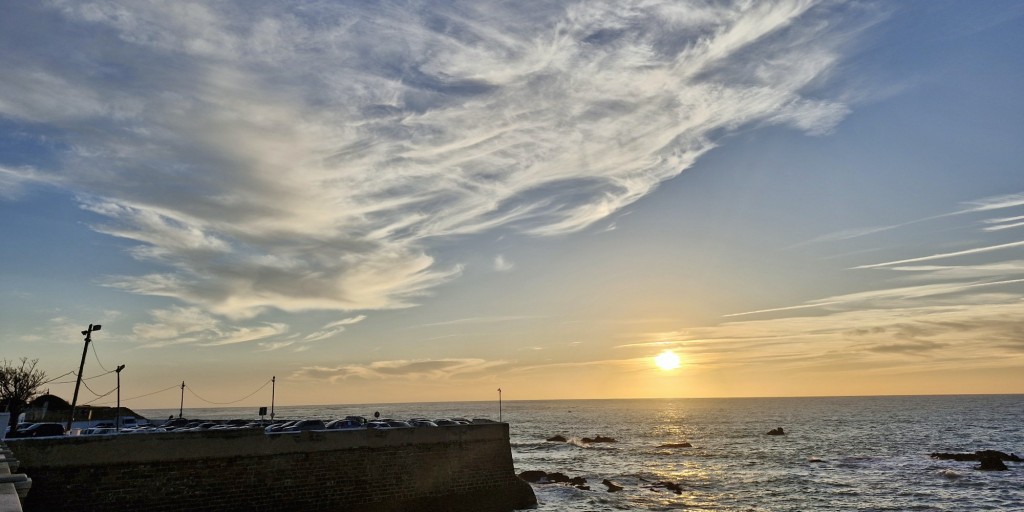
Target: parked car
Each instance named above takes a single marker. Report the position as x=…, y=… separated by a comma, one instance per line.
x=345, y=424
x=277, y=427
x=175, y=423
x=420, y=422
x=39, y=430
x=303, y=425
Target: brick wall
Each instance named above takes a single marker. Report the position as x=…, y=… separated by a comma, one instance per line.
x=457, y=468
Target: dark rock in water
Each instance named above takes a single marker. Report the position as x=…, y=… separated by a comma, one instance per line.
x=991, y=463
x=612, y=486
x=672, y=486
x=558, y=478
x=676, y=445
x=541, y=477
x=777, y=431
x=977, y=456
x=557, y=439
x=533, y=476
x=598, y=439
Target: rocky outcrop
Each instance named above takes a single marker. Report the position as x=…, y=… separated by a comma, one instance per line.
x=598, y=439
x=672, y=486
x=989, y=460
x=533, y=476
x=977, y=456
x=777, y=431
x=991, y=463
x=676, y=445
x=612, y=486
x=557, y=439
x=542, y=477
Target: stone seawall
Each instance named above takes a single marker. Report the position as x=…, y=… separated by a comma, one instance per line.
x=455, y=468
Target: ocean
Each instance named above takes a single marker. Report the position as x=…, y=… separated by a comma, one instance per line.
x=843, y=453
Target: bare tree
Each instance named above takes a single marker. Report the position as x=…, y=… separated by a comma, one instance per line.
x=19, y=384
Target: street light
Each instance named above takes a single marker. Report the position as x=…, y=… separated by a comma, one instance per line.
x=118, y=424
x=78, y=382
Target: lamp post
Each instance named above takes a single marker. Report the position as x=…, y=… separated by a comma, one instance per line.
x=273, y=388
x=78, y=382
x=499, y=405
x=118, y=424
x=182, y=406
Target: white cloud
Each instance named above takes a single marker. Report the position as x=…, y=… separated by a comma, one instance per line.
x=334, y=328
x=503, y=265
x=939, y=256
x=401, y=369
x=191, y=325
x=272, y=157
x=14, y=181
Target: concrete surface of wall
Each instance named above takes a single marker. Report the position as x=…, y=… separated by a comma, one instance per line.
x=456, y=468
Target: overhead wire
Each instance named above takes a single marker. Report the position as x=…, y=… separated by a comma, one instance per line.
x=190, y=390
x=85, y=379
x=147, y=394
x=90, y=389
x=94, y=354
x=72, y=372
x=100, y=396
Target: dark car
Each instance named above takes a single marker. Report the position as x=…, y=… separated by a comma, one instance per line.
x=175, y=423
x=344, y=425
x=304, y=425
x=39, y=430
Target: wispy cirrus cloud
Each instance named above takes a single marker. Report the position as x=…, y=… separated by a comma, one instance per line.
x=334, y=328
x=945, y=255
x=191, y=325
x=272, y=156
x=957, y=314
x=503, y=265
x=403, y=369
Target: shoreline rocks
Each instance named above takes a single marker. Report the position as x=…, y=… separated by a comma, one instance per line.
x=777, y=431
x=988, y=460
x=612, y=486
x=542, y=477
x=977, y=456
x=676, y=445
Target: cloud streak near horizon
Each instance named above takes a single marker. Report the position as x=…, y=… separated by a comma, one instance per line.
x=304, y=158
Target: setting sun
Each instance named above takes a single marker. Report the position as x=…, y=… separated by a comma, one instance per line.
x=667, y=360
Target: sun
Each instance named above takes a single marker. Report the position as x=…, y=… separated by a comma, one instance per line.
x=667, y=360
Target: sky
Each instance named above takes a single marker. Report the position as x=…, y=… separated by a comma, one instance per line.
x=425, y=201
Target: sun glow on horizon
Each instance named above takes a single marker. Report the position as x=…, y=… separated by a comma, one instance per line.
x=667, y=360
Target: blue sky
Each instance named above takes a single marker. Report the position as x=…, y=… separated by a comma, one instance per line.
x=424, y=201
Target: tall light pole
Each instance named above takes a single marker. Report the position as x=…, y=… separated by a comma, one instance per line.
x=499, y=405
x=182, y=406
x=78, y=382
x=273, y=388
x=118, y=424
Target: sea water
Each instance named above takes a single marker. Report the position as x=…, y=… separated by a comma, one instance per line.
x=848, y=453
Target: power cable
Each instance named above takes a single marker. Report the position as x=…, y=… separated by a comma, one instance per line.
x=226, y=402
x=90, y=389
x=85, y=379
x=149, y=394
x=72, y=372
x=94, y=354
x=100, y=396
